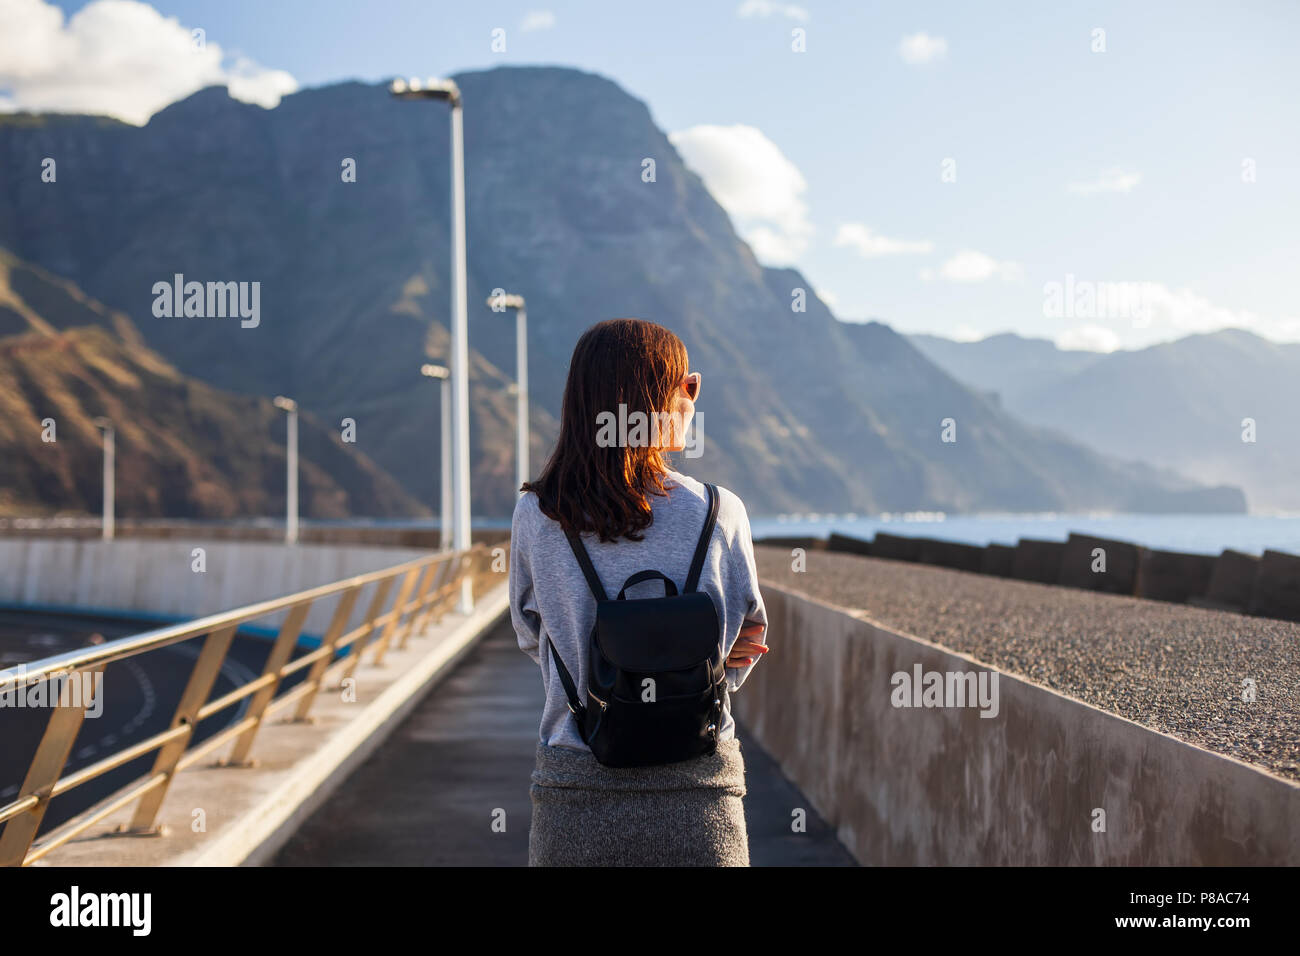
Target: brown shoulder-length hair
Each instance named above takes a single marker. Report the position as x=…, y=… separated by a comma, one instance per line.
x=590, y=485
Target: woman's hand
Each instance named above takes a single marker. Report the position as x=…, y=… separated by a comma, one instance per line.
x=748, y=645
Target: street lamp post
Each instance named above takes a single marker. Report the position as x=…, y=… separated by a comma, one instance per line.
x=447, y=90
x=291, y=494
x=110, y=487
x=444, y=374
x=500, y=303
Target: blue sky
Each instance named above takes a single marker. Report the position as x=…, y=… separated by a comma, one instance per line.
x=1170, y=161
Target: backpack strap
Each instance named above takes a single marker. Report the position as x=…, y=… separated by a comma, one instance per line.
x=584, y=562
x=702, y=547
x=576, y=706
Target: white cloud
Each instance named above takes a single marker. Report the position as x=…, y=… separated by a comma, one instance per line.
x=768, y=8
x=121, y=58
x=966, y=333
x=1147, y=312
x=922, y=48
x=869, y=245
x=971, y=266
x=250, y=83
x=1110, y=181
x=830, y=298
x=1183, y=311
x=537, y=20
x=1089, y=338
x=758, y=186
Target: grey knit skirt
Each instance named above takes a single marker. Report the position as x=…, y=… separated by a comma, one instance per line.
x=680, y=814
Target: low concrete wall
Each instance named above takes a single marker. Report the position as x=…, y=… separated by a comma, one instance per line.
x=156, y=577
x=917, y=786
x=378, y=536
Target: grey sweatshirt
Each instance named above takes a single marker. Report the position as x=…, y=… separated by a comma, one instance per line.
x=549, y=595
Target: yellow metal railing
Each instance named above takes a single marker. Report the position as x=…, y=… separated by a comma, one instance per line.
x=404, y=600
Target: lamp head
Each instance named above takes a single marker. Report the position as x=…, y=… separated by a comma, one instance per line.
x=499, y=303
x=429, y=89
x=435, y=371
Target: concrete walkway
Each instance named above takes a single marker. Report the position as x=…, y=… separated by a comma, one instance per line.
x=428, y=796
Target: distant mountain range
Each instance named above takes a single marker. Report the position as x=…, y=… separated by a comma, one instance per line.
x=1180, y=404
x=801, y=412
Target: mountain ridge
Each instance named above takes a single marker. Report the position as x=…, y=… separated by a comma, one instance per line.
x=1183, y=403
x=798, y=413
x=183, y=447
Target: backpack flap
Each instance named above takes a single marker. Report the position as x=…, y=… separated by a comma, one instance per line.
x=659, y=634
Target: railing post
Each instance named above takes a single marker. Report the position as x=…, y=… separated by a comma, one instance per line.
x=482, y=567
x=450, y=591
x=317, y=672
x=440, y=568
x=469, y=569
x=43, y=773
x=417, y=612
x=279, y=656
x=202, y=677
x=359, y=645
x=403, y=595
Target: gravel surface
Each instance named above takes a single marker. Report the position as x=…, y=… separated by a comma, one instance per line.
x=1171, y=667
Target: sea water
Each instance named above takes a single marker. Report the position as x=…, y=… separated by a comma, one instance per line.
x=1195, y=533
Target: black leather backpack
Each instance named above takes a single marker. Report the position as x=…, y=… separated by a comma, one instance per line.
x=656, y=679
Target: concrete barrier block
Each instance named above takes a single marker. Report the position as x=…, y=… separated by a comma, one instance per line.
x=998, y=560
x=895, y=547
x=1038, y=560
x=1276, y=592
x=847, y=544
x=1120, y=561
x=808, y=544
x=1232, y=580
x=1173, y=575
x=951, y=554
